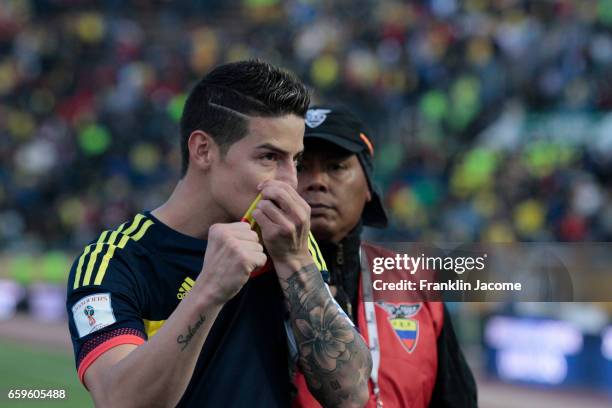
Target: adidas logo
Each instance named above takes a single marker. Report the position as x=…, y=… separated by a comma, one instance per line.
x=185, y=288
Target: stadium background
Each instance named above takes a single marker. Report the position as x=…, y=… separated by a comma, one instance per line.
x=491, y=119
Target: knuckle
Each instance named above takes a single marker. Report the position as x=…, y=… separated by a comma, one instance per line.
x=245, y=256
x=248, y=267
x=212, y=230
x=300, y=217
x=289, y=229
x=233, y=244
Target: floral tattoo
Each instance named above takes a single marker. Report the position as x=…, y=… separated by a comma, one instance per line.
x=332, y=355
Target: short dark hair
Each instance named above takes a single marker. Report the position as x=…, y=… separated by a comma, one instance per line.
x=222, y=101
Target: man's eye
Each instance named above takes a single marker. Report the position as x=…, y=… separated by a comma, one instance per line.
x=269, y=156
x=338, y=166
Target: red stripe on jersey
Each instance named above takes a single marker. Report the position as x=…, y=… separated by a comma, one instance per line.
x=93, y=355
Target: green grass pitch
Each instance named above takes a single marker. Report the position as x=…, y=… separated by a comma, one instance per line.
x=30, y=367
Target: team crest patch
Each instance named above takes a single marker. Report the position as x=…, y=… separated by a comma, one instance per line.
x=406, y=329
x=93, y=313
x=314, y=117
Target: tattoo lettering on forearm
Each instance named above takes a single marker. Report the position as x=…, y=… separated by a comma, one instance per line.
x=191, y=331
x=331, y=351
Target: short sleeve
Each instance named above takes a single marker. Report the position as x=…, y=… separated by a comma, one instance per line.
x=102, y=312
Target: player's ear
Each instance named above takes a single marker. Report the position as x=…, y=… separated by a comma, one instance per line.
x=202, y=149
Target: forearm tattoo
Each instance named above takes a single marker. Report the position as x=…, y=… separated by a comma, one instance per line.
x=333, y=356
x=184, y=340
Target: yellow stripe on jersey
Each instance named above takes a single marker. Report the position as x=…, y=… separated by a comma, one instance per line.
x=134, y=224
x=142, y=230
x=97, y=248
x=94, y=256
x=315, y=252
x=152, y=326
x=122, y=243
x=77, y=277
x=107, y=257
x=121, y=227
x=109, y=241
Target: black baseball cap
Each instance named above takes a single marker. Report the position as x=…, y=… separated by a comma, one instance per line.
x=338, y=125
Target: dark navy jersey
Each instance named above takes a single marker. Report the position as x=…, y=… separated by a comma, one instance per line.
x=124, y=286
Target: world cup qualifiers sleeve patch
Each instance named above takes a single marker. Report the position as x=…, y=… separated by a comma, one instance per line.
x=93, y=313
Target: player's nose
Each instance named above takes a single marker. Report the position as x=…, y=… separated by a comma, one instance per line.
x=288, y=174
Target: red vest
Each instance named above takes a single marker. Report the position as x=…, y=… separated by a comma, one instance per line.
x=407, y=333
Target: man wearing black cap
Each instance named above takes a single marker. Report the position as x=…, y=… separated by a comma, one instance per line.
x=419, y=364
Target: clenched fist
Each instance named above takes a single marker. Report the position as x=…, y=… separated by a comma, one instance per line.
x=233, y=252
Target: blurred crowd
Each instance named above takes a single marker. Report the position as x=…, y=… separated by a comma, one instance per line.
x=490, y=116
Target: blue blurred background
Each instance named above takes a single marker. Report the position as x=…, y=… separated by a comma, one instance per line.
x=491, y=119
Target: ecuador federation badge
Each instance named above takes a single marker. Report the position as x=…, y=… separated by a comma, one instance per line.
x=405, y=328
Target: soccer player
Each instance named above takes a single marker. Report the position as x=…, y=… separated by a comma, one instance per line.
x=165, y=310
x=417, y=360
